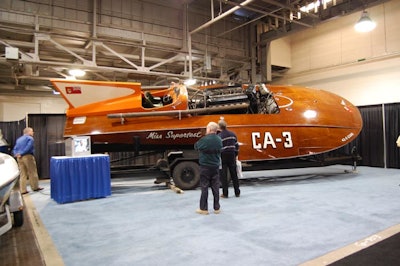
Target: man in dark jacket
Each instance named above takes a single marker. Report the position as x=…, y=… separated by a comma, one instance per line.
x=209, y=148
x=228, y=157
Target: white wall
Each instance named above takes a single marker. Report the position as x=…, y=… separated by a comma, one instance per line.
x=362, y=67
x=281, y=52
x=15, y=108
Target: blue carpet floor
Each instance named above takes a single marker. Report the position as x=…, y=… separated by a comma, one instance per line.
x=283, y=217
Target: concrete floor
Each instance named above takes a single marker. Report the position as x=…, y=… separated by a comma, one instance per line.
x=311, y=216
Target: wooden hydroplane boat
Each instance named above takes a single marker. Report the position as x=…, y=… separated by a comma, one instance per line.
x=271, y=123
x=282, y=122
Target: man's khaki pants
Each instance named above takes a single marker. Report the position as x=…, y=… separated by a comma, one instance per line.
x=28, y=170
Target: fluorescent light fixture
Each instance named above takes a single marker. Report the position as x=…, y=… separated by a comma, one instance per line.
x=77, y=72
x=190, y=82
x=365, y=24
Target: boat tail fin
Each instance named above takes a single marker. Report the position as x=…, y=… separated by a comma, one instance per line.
x=79, y=93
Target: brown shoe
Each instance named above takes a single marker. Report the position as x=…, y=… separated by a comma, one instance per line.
x=203, y=212
x=25, y=192
x=217, y=211
x=38, y=189
x=223, y=196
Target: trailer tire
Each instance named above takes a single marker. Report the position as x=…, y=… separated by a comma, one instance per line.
x=18, y=218
x=186, y=175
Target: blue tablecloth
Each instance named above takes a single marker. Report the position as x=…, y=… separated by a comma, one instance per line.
x=79, y=178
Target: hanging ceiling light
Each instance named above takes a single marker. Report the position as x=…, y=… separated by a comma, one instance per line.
x=365, y=24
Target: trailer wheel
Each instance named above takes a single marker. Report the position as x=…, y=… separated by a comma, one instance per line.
x=186, y=175
x=18, y=218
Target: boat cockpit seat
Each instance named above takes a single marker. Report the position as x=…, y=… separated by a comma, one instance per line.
x=150, y=101
x=154, y=100
x=166, y=99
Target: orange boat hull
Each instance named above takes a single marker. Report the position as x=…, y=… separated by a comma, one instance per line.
x=309, y=122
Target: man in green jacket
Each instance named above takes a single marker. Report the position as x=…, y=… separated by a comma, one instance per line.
x=209, y=147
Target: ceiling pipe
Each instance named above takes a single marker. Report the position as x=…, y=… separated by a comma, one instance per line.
x=212, y=21
x=94, y=33
x=207, y=24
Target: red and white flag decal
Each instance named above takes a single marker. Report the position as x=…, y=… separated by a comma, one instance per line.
x=73, y=90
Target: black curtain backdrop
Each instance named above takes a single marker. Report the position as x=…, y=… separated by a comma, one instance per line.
x=12, y=130
x=375, y=133
x=392, y=132
x=371, y=146
x=49, y=140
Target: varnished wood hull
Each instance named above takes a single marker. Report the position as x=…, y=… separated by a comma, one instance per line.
x=309, y=122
